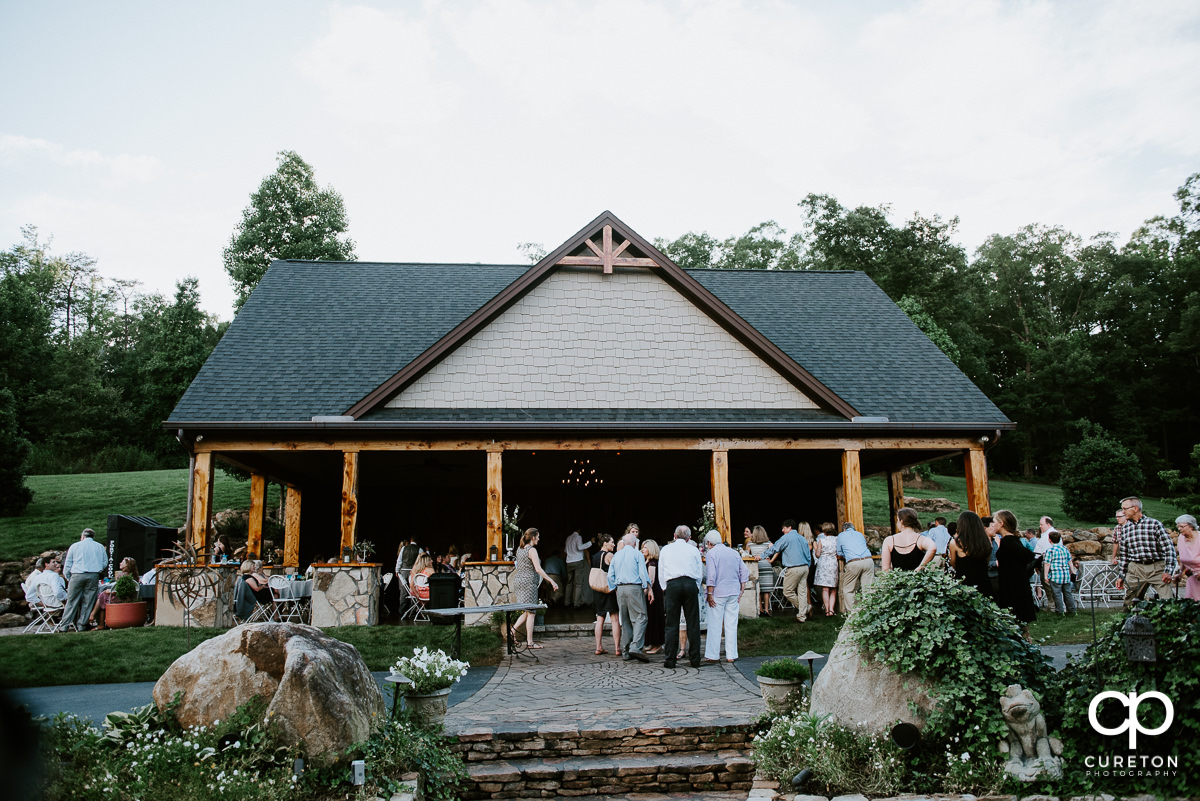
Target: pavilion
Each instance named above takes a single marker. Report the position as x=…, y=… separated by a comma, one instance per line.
x=602, y=385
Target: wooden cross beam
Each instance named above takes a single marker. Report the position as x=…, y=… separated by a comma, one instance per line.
x=606, y=256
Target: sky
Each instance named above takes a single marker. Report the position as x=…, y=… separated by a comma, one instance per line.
x=136, y=131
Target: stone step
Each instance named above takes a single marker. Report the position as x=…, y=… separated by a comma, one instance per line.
x=729, y=770
x=564, y=740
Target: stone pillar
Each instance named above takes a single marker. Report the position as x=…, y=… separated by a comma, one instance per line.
x=486, y=585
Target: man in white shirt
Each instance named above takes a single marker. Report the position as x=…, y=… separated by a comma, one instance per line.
x=31, y=581
x=1045, y=525
x=85, y=561
x=680, y=571
x=577, y=571
x=52, y=577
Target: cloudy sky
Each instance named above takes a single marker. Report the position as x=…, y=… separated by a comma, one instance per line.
x=135, y=132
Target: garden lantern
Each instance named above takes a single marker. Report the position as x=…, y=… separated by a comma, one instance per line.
x=810, y=657
x=1139, y=639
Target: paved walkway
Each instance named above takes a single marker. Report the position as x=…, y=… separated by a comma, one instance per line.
x=570, y=686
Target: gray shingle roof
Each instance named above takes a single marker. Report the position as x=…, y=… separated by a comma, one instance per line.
x=315, y=337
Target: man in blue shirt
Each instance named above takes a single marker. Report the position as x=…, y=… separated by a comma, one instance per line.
x=858, y=568
x=796, y=558
x=941, y=540
x=627, y=575
x=85, y=561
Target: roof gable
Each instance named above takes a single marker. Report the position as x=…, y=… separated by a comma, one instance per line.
x=607, y=243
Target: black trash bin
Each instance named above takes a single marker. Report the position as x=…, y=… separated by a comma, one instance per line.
x=443, y=594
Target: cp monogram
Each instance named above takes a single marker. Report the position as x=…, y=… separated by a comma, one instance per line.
x=1132, y=702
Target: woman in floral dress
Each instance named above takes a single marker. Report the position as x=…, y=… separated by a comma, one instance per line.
x=523, y=581
x=825, y=551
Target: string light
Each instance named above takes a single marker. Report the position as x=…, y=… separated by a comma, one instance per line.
x=582, y=473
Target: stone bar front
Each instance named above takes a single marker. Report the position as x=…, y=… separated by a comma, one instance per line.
x=346, y=594
x=486, y=585
x=206, y=591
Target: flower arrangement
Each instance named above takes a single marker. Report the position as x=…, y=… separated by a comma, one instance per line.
x=429, y=671
x=511, y=524
x=707, y=521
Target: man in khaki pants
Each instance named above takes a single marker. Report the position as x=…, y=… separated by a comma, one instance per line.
x=1147, y=554
x=796, y=558
x=858, y=568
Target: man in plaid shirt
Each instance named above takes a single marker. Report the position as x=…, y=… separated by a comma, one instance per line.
x=1056, y=570
x=1147, y=555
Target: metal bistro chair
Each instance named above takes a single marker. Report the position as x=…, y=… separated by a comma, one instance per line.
x=246, y=608
x=47, y=611
x=417, y=604
x=287, y=602
x=386, y=582
x=1098, y=583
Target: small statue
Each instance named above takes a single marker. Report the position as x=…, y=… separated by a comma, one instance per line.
x=1032, y=754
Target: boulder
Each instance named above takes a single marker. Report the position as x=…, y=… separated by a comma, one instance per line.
x=855, y=689
x=320, y=693
x=1085, y=548
x=11, y=620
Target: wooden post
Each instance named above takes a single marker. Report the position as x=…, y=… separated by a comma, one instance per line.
x=349, y=501
x=720, y=494
x=839, y=498
x=495, y=505
x=258, y=514
x=895, y=496
x=978, y=500
x=852, y=488
x=202, y=493
x=291, y=529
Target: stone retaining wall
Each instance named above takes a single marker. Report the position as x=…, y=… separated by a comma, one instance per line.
x=484, y=744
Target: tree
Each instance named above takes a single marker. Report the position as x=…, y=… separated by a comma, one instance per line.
x=289, y=217
x=14, y=451
x=1096, y=473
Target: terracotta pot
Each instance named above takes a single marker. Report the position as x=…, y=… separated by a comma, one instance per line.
x=781, y=696
x=428, y=709
x=119, y=615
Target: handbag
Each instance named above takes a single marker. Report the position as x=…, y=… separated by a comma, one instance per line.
x=598, y=581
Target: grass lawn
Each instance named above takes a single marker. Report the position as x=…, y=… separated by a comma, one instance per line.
x=65, y=505
x=144, y=654
x=1027, y=501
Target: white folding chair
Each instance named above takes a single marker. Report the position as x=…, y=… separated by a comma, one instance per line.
x=46, y=611
x=287, y=605
x=417, y=608
x=242, y=597
x=387, y=580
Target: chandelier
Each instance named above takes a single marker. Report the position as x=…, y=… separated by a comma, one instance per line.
x=582, y=474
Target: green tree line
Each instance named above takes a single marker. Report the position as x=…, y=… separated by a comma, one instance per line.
x=1055, y=329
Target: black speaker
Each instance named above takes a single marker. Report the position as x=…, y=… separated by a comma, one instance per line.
x=142, y=538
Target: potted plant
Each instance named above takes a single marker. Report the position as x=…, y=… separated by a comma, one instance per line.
x=125, y=609
x=432, y=673
x=781, y=682
x=363, y=549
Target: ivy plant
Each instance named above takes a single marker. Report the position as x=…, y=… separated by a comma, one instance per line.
x=965, y=646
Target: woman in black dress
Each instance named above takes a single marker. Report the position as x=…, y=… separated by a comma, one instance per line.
x=970, y=551
x=908, y=548
x=1014, y=561
x=656, y=620
x=606, y=603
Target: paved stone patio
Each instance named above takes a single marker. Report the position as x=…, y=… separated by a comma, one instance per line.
x=569, y=687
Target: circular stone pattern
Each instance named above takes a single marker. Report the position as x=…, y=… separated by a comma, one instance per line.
x=614, y=674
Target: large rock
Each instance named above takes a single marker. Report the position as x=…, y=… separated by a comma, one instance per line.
x=856, y=689
x=320, y=692
x=1085, y=548
x=931, y=506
